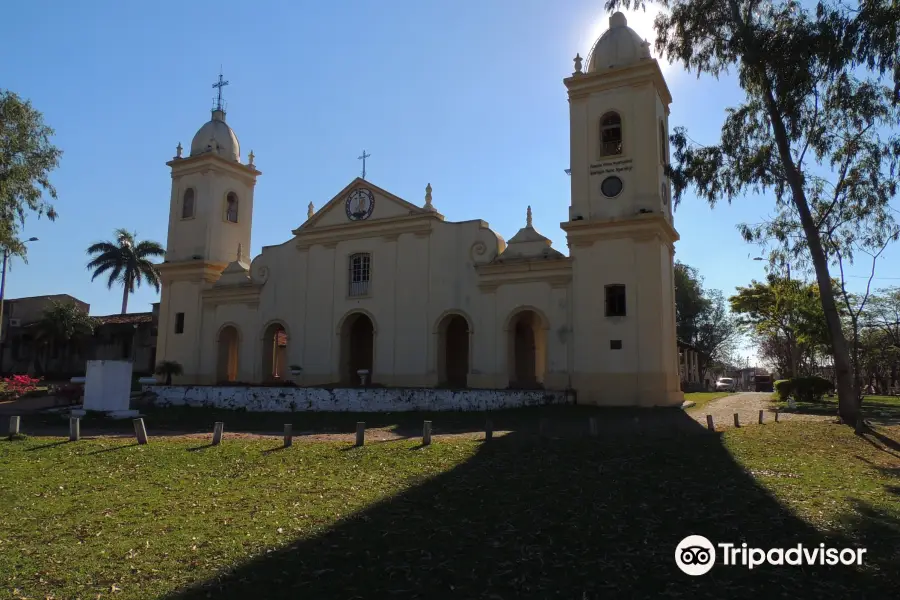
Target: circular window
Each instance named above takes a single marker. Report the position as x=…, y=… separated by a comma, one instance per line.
x=611, y=187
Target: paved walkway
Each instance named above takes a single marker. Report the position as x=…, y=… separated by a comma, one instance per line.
x=747, y=405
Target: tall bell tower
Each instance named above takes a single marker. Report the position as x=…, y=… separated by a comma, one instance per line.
x=620, y=229
x=210, y=220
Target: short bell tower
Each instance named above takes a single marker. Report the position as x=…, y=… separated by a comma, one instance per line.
x=210, y=217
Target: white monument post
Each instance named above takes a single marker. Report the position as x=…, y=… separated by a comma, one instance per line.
x=107, y=388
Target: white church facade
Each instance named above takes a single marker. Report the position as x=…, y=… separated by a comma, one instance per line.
x=375, y=283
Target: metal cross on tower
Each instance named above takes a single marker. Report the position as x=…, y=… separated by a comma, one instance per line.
x=219, y=84
x=363, y=158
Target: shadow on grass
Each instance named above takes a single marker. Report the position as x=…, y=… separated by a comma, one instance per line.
x=50, y=445
x=113, y=449
x=203, y=447
x=881, y=441
x=570, y=517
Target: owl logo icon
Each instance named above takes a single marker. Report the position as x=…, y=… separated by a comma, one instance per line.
x=695, y=555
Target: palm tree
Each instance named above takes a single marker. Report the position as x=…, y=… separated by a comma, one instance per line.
x=169, y=368
x=62, y=323
x=126, y=262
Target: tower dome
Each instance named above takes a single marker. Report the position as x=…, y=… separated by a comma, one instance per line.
x=217, y=137
x=619, y=46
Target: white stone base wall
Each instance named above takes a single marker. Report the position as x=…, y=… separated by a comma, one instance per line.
x=289, y=399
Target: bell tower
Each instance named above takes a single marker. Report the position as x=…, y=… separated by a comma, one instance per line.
x=620, y=229
x=210, y=217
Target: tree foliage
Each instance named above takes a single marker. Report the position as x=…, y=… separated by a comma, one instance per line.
x=785, y=317
x=689, y=301
x=816, y=130
x=884, y=315
x=62, y=322
x=879, y=341
x=126, y=262
x=26, y=159
x=168, y=368
x=703, y=319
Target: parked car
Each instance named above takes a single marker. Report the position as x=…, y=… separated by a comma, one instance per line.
x=725, y=384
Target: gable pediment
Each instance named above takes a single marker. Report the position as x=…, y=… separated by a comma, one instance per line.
x=358, y=204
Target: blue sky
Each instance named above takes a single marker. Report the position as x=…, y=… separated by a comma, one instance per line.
x=465, y=95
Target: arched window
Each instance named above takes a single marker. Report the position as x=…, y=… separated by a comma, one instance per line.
x=187, y=204
x=231, y=207
x=664, y=193
x=662, y=144
x=610, y=134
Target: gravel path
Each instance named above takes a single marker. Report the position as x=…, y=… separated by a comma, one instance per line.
x=747, y=405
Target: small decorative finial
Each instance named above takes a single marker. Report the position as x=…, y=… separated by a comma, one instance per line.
x=428, y=205
x=178, y=150
x=251, y=156
x=528, y=217
x=310, y=211
x=240, y=254
x=578, y=61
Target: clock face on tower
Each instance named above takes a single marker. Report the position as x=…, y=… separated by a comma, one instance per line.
x=360, y=203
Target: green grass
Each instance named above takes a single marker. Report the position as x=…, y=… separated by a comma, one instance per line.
x=884, y=409
x=701, y=399
x=516, y=518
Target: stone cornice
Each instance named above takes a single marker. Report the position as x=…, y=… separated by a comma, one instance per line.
x=390, y=228
x=237, y=294
x=213, y=162
x=190, y=270
x=557, y=272
x=584, y=84
x=639, y=227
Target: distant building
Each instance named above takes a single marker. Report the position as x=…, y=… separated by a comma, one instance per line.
x=116, y=337
x=689, y=367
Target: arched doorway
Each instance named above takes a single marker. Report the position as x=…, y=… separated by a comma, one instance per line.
x=274, y=353
x=228, y=346
x=453, y=351
x=527, y=350
x=357, y=348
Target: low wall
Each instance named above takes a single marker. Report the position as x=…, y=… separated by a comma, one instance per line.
x=288, y=399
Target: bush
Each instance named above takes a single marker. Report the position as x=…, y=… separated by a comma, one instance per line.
x=783, y=388
x=803, y=389
x=17, y=386
x=70, y=393
x=811, y=389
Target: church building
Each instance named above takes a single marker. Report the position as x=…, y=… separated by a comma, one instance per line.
x=385, y=289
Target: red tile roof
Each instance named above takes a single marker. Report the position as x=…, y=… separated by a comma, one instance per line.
x=126, y=319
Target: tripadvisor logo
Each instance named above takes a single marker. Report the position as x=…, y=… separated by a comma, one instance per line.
x=696, y=555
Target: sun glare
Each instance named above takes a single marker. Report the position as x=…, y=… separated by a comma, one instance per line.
x=639, y=20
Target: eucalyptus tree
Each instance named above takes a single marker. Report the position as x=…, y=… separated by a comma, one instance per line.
x=817, y=128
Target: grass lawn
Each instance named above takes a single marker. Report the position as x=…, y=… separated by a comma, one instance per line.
x=878, y=408
x=703, y=398
x=518, y=517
